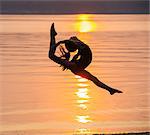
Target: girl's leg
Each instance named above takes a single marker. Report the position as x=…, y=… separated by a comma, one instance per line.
x=89, y=76
x=52, y=49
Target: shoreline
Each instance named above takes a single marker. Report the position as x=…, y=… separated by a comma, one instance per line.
x=134, y=133
x=67, y=133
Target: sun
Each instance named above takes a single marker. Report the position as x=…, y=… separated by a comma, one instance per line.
x=85, y=24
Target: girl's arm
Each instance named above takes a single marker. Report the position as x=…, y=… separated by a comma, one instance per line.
x=61, y=42
x=64, y=62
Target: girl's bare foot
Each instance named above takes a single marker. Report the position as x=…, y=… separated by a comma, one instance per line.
x=52, y=30
x=113, y=91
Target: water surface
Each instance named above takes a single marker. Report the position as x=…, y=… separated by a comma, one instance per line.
x=37, y=97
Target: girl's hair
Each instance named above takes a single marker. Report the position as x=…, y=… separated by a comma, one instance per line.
x=70, y=46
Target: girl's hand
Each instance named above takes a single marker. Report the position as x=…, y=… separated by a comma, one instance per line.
x=65, y=54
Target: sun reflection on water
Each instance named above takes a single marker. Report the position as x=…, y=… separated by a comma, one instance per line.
x=83, y=97
x=84, y=24
x=83, y=119
x=82, y=94
x=82, y=85
x=82, y=106
x=81, y=101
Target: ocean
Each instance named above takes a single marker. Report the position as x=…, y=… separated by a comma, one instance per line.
x=38, y=98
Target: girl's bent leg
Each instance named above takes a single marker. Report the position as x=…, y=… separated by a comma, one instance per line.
x=52, y=48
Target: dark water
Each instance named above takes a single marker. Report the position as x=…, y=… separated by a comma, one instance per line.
x=38, y=98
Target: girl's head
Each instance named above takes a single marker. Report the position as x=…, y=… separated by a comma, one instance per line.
x=70, y=46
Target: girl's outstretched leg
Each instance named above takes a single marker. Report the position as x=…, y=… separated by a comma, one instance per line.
x=89, y=76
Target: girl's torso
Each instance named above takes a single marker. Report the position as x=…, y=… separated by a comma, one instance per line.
x=85, y=54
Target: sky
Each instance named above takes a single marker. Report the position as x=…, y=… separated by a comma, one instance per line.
x=82, y=6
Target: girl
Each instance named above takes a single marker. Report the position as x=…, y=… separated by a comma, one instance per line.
x=73, y=66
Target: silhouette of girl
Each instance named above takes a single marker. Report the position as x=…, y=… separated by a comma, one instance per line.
x=73, y=66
